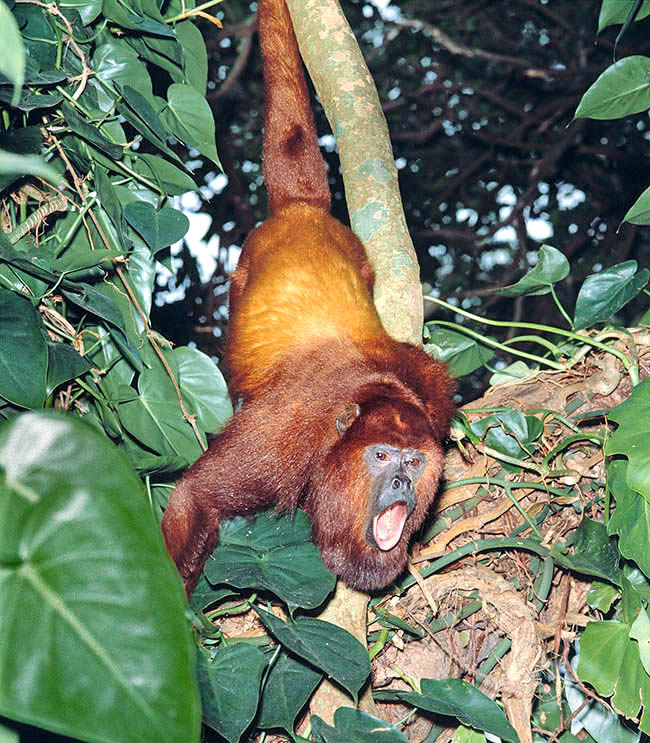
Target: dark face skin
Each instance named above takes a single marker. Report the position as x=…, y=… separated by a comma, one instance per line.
x=395, y=473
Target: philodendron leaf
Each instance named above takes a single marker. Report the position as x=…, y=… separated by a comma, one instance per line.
x=633, y=418
x=94, y=644
x=23, y=351
x=326, y=646
x=604, y=294
x=622, y=89
x=158, y=229
x=286, y=691
x=275, y=554
x=552, y=266
x=230, y=688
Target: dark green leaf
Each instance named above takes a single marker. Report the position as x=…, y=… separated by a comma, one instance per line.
x=195, y=58
x=639, y=212
x=286, y=691
x=623, y=89
x=141, y=115
x=230, y=687
x=189, y=117
x=168, y=177
x=457, y=698
x=88, y=10
x=509, y=432
x=615, y=11
x=604, y=294
x=594, y=553
x=631, y=518
x=463, y=353
x=90, y=132
x=272, y=553
x=154, y=416
x=324, y=645
x=116, y=62
x=551, y=267
x=29, y=101
x=633, y=418
x=204, y=389
x=136, y=15
x=23, y=351
x=108, y=197
x=158, y=229
x=89, y=601
x=64, y=364
x=355, y=726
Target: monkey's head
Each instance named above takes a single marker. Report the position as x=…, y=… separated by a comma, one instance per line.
x=373, y=489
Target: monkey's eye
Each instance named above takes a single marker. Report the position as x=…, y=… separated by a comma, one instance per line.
x=381, y=456
x=413, y=462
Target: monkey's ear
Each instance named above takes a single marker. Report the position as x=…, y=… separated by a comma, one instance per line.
x=347, y=417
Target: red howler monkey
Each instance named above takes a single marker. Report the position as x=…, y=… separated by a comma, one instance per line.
x=337, y=417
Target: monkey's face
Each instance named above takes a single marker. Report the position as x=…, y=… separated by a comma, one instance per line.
x=373, y=491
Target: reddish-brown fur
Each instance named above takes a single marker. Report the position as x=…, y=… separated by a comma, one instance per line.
x=306, y=343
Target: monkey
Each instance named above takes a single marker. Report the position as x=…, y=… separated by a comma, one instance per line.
x=337, y=417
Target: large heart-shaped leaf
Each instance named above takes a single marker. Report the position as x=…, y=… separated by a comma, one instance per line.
x=230, y=684
x=275, y=554
x=326, y=646
x=622, y=89
x=552, y=266
x=23, y=351
x=158, y=229
x=90, y=602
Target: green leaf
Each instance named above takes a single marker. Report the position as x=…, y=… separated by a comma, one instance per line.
x=168, y=177
x=88, y=10
x=155, y=418
x=195, y=57
x=116, y=62
x=640, y=631
x=509, y=432
x=614, y=12
x=552, y=266
x=30, y=101
x=64, y=364
x=13, y=166
x=140, y=114
x=355, y=726
x=639, y=212
x=25, y=141
x=90, y=132
x=604, y=294
x=457, y=698
x=89, y=599
x=631, y=518
x=601, y=596
x=610, y=662
x=272, y=553
x=594, y=553
x=462, y=353
x=12, y=59
x=204, y=388
x=324, y=645
x=23, y=351
x=230, y=684
x=633, y=418
x=516, y=371
x=189, y=117
x=137, y=15
x=622, y=89
x=286, y=691
x=158, y=229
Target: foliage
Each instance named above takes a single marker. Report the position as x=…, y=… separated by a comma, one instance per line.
x=101, y=106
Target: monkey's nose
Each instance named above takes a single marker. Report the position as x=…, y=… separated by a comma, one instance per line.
x=403, y=483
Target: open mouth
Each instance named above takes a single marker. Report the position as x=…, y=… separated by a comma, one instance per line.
x=387, y=527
